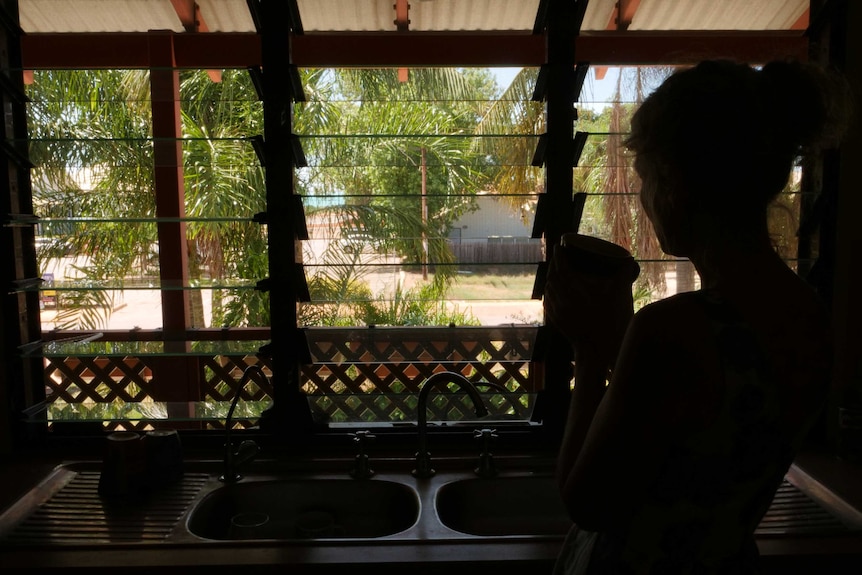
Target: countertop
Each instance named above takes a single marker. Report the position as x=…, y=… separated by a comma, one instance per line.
x=503, y=555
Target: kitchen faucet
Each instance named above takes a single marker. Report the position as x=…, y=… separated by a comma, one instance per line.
x=423, y=458
x=248, y=448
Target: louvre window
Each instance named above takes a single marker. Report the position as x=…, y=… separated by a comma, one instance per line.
x=141, y=232
x=419, y=199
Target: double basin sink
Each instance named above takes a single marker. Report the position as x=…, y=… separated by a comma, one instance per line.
x=449, y=505
x=452, y=505
x=274, y=503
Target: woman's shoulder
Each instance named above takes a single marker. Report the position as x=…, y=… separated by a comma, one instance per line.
x=680, y=310
x=791, y=307
x=677, y=327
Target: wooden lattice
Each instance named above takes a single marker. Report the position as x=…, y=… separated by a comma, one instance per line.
x=221, y=377
x=374, y=374
x=370, y=374
x=222, y=374
x=98, y=379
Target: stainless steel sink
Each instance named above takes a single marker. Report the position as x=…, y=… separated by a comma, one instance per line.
x=516, y=505
x=306, y=508
x=531, y=505
x=393, y=508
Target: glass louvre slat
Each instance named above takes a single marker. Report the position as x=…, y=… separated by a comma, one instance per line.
x=328, y=152
x=68, y=285
x=142, y=220
x=137, y=139
x=61, y=349
x=312, y=198
x=155, y=411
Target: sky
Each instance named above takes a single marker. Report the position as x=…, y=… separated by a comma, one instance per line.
x=594, y=91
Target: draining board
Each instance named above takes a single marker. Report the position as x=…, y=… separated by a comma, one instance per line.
x=76, y=513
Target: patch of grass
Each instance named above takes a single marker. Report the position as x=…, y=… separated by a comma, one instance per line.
x=491, y=287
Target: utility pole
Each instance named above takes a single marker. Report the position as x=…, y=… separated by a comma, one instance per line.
x=423, y=168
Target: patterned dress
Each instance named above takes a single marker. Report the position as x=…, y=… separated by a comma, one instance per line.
x=700, y=513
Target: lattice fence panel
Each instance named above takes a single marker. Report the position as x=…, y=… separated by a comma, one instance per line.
x=221, y=377
x=368, y=374
x=88, y=384
x=98, y=379
x=76, y=385
x=374, y=374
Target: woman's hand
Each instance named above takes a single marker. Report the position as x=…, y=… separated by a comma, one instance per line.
x=592, y=311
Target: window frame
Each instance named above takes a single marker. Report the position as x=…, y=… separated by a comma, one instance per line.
x=281, y=151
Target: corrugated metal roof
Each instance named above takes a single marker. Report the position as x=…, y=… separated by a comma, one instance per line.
x=726, y=15
x=712, y=15
x=598, y=15
x=226, y=15
x=347, y=15
x=98, y=16
x=458, y=15
x=425, y=15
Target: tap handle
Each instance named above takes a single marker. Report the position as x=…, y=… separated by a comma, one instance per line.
x=485, y=436
x=361, y=465
x=246, y=451
x=362, y=439
x=486, y=467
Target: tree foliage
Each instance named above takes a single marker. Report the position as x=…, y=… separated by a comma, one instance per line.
x=96, y=125
x=377, y=149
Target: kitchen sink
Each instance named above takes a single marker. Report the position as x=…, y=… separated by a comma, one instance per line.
x=307, y=508
x=326, y=509
x=499, y=506
x=531, y=505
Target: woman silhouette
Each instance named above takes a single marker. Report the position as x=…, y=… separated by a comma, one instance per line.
x=671, y=466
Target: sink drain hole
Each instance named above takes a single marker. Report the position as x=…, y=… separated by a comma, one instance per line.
x=246, y=525
x=315, y=524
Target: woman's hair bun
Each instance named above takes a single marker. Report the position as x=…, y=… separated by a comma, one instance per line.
x=807, y=104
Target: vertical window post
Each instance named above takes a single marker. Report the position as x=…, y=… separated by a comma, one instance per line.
x=21, y=380
x=290, y=410
x=563, y=24
x=175, y=376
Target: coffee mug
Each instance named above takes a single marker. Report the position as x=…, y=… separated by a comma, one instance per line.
x=164, y=457
x=594, y=256
x=123, y=465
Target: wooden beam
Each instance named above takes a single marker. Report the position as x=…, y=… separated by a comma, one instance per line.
x=240, y=50
x=803, y=20
x=189, y=13
x=175, y=378
x=625, y=13
x=402, y=20
x=402, y=24
x=169, y=182
x=185, y=10
x=621, y=18
x=419, y=49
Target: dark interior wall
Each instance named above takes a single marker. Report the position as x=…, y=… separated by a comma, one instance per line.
x=847, y=296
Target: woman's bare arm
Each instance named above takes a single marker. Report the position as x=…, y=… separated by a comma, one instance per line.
x=617, y=436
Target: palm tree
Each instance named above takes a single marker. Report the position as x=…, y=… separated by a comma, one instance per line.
x=224, y=186
x=629, y=225
x=401, y=138
x=100, y=122
x=509, y=130
x=84, y=128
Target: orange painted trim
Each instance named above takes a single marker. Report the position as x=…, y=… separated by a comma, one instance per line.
x=803, y=21
x=402, y=18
